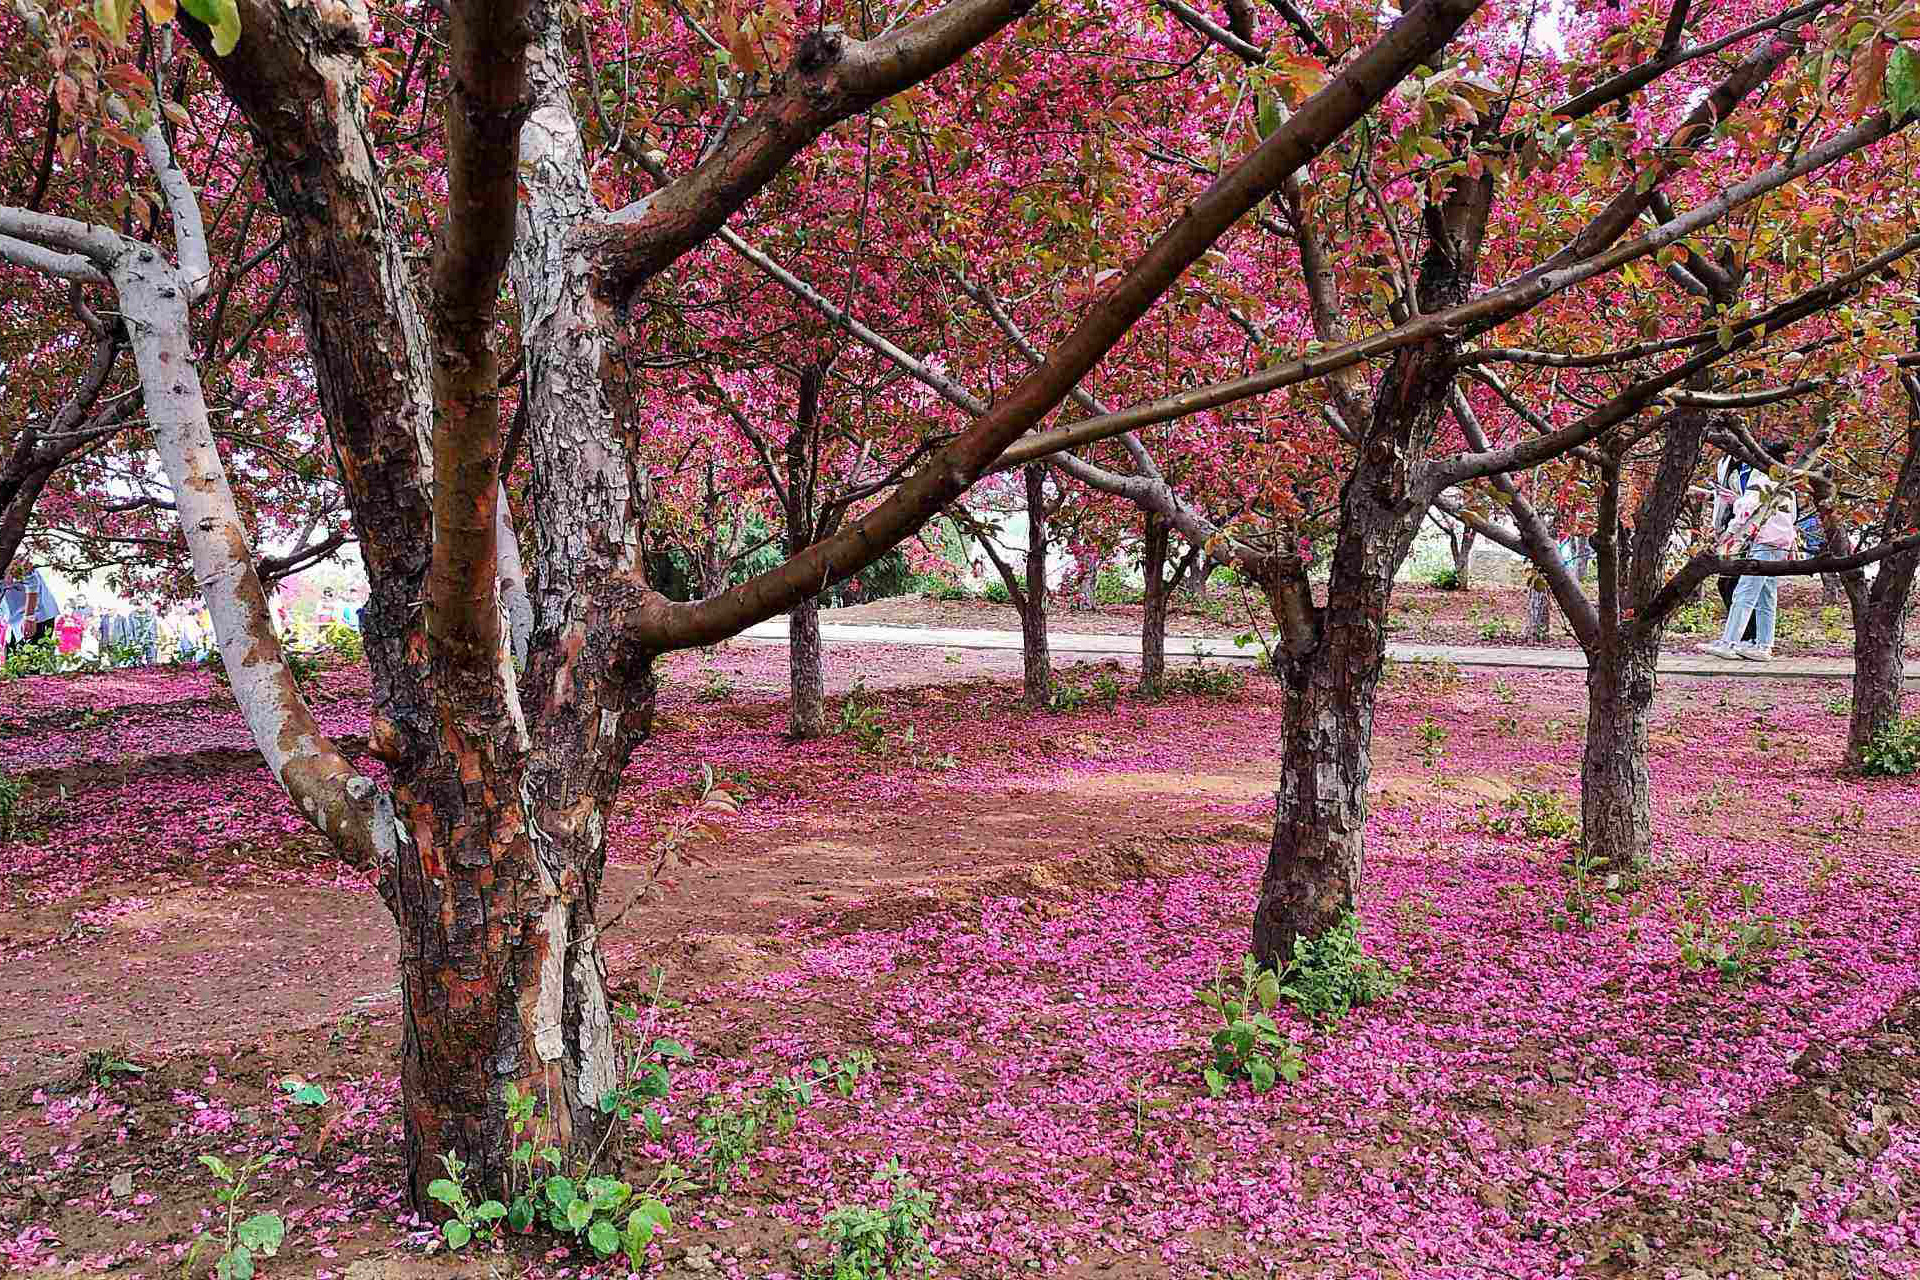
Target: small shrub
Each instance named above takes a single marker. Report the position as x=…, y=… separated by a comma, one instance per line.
x=1066, y=698
x=1695, y=619
x=35, y=657
x=1433, y=741
x=860, y=719
x=935, y=587
x=102, y=1065
x=1539, y=814
x=1735, y=950
x=1248, y=1044
x=1447, y=579
x=11, y=793
x=1894, y=751
x=1114, y=587
x=1331, y=975
x=880, y=1244
x=997, y=592
x=734, y=1132
x=343, y=641
x=716, y=687
x=240, y=1240
x=1590, y=882
x=1838, y=704
x=1210, y=682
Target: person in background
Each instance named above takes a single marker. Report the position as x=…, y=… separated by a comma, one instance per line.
x=28, y=604
x=1733, y=477
x=1764, y=526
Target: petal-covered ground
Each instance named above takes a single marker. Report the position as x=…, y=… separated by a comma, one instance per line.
x=1014, y=913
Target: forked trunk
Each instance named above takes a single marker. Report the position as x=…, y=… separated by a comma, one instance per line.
x=1616, y=810
x=1153, y=613
x=1463, y=558
x=807, y=717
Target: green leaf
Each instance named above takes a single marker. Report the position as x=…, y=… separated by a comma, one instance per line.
x=456, y=1232
x=560, y=1192
x=604, y=1240
x=446, y=1191
x=673, y=1049
x=607, y=1194
x=639, y=1235
x=1216, y=1083
x=1902, y=87
x=490, y=1211
x=235, y=1265
x=652, y=1210
x=222, y=17
x=579, y=1214
x=262, y=1233
x=1261, y=1072
x=652, y=1122
x=1269, y=116
x=219, y=1167
x=520, y=1216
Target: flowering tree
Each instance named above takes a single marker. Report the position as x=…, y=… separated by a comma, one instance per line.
x=77, y=469
x=1653, y=115
x=487, y=840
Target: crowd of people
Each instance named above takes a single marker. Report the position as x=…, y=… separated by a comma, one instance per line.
x=76, y=633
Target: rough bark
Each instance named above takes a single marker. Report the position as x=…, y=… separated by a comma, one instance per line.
x=807, y=717
x=807, y=706
x=1313, y=872
x=1539, y=624
x=1879, y=669
x=1616, y=790
x=1463, y=541
x=1315, y=862
x=1880, y=608
x=1153, y=612
x=1036, y=657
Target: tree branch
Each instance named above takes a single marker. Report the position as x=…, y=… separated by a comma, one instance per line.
x=658, y=625
x=831, y=78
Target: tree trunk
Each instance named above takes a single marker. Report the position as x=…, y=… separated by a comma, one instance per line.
x=1831, y=592
x=1033, y=601
x=501, y=967
x=1463, y=558
x=1879, y=674
x=1615, y=787
x=1539, y=615
x=807, y=716
x=1153, y=613
x=1313, y=869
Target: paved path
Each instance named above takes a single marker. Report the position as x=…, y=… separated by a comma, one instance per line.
x=1680, y=664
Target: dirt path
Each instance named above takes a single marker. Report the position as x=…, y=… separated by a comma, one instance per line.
x=201, y=963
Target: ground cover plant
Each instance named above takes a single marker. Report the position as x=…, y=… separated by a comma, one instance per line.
x=990, y=974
